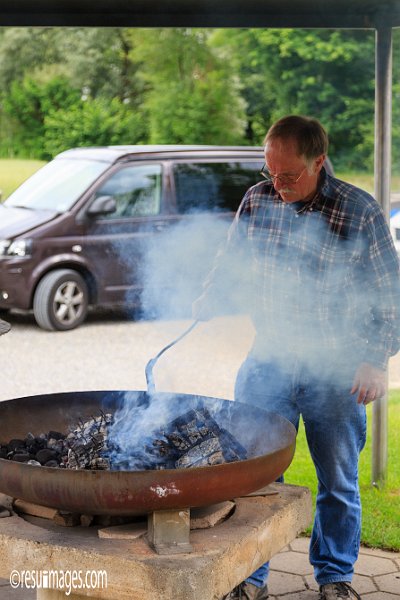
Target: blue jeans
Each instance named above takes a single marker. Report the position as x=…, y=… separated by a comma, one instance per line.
x=335, y=427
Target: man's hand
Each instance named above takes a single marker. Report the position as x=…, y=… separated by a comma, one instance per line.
x=370, y=382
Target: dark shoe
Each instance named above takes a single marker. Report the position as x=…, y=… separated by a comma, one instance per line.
x=248, y=591
x=340, y=589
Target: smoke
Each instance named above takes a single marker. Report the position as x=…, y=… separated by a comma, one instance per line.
x=158, y=431
x=178, y=431
x=173, y=266
x=305, y=291
x=176, y=262
x=130, y=435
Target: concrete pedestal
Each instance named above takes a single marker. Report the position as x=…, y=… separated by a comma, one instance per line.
x=221, y=556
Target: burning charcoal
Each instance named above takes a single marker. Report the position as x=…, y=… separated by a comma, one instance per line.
x=201, y=455
x=33, y=447
x=231, y=448
x=177, y=441
x=15, y=445
x=87, y=443
x=100, y=463
x=56, y=435
x=22, y=457
x=44, y=455
x=30, y=440
x=56, y=445
x=194, y=439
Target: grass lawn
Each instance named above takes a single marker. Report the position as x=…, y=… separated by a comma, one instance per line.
x=13, y=171
x=381, y=508
x=365, y=181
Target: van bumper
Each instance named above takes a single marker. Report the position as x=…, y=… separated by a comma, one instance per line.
x=15, y=285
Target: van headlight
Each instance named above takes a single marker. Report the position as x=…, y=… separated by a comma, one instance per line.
x=20, y=248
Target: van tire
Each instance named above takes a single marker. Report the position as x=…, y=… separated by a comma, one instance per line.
x=61, y=300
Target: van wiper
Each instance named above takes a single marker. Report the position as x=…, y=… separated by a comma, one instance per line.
x=20, y=206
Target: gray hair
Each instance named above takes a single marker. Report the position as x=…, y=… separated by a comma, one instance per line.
x=310, y=136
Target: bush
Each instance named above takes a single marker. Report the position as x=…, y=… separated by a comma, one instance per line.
x=95, y=122
x=26, y=106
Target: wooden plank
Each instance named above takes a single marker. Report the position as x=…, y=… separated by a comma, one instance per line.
x=65, y=519
x=36, y=510
x=129, y=531
x=209, y=516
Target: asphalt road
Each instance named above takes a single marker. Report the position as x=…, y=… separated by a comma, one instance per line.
x=110, y=351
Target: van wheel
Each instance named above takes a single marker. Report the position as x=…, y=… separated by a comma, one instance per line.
x=61, y=300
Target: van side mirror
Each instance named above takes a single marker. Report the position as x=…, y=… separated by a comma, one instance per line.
x=103, y=205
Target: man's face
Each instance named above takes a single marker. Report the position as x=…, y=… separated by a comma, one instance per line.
x=294, y=180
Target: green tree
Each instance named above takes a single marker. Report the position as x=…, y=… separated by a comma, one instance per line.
x=325, y=73
x=46, y=70
x=190, y=94
x=94, y=122
x=23, y=50
x=396, y=102
x=94, y=60
x=186, y=85
x=27, y=105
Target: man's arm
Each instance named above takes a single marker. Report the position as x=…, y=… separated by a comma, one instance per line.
x=382, y=287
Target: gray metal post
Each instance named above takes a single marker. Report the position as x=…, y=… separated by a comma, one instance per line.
x=383, y=129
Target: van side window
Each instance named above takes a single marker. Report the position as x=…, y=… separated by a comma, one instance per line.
x=136, y=189
x=216, y=186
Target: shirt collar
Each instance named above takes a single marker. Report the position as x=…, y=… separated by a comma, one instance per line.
x=316, y=201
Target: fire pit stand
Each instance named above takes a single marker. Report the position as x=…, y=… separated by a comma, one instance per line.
x=168, y=531
x=221, y=556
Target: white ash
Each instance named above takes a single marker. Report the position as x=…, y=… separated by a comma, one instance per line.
x=87, y=444
x=191, y=440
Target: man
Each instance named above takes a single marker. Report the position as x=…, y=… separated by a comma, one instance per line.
x=325, y=305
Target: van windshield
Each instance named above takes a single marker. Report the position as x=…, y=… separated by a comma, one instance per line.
x=57, y=185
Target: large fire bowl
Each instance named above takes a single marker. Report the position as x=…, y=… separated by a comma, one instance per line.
x=268, y=438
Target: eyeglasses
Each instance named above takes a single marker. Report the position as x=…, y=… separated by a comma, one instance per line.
x=284, y=179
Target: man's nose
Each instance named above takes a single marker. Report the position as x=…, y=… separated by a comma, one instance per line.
x=278, y=185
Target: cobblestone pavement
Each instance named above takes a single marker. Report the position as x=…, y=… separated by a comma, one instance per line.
x=377, y=574
x=111, y=352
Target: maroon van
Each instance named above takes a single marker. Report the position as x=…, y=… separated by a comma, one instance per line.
x=67, y=231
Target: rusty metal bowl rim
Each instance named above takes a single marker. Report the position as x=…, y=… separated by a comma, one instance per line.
x=136, y=492
x=136, y=472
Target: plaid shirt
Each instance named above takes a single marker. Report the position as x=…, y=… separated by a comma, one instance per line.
x=325, y=274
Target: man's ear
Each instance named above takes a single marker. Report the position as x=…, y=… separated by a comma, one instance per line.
x=319, y=161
